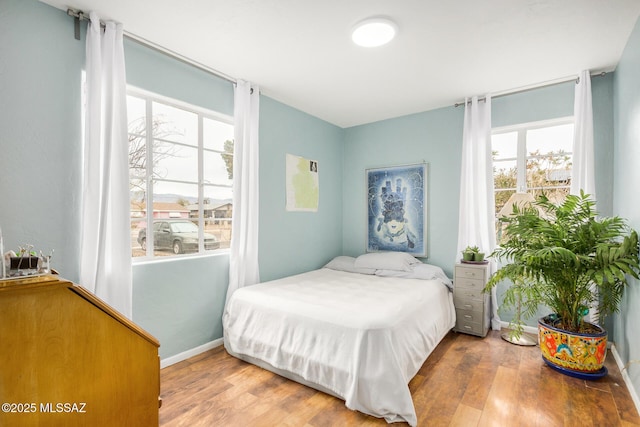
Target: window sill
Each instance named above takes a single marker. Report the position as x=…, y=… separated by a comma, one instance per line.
x=156, y=260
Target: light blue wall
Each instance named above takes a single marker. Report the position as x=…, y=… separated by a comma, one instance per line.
x=153, y=71
x=40, y=153
x=434, y=137
x=545, y=103
x=294, y=242
x=626, y=203
x=180, y=301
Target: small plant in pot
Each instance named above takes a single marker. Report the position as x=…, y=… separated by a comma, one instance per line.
x=472, y=253
x=564, y=257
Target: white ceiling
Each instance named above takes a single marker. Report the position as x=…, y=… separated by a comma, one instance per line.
x=300, y=53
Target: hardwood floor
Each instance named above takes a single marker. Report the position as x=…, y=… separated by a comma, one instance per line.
x=466, y=381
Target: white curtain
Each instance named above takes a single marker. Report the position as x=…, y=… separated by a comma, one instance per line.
x=476, y=219
x=105, y=263
x=243, y=270
x=583, y=174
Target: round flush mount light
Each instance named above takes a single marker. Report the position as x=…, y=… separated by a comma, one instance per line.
x=374, y=32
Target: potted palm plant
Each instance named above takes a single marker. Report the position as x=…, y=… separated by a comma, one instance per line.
x=563, y=256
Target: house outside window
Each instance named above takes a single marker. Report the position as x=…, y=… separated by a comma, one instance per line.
x=532, y=158
x=190, y=150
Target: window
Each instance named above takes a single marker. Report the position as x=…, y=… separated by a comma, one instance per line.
x=186, y=192
x=533, y=158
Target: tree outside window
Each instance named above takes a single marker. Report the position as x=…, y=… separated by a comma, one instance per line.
x=180, y=177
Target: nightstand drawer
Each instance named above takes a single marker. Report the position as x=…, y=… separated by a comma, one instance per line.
x=475, y=284
x=468, y=304
x=470, y=327
x=469, y=294
x=469, y=316
x=470, y=273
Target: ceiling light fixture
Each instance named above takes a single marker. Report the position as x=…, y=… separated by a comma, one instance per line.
x=374, y=32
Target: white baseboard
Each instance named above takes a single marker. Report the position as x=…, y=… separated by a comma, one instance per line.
x=190, y=353
x=625, y=377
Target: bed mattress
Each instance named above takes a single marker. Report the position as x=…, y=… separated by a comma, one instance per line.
x=359, y=337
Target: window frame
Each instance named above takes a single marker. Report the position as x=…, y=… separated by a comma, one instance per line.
x=202, y=114
x=521, y=152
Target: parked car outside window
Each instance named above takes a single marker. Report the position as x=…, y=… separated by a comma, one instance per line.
x=179, y=235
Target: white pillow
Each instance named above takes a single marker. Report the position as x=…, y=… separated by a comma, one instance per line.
x=347, y=263
x=387, y=261
x=419, y=271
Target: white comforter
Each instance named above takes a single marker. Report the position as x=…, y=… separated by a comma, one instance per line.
x=362, y=337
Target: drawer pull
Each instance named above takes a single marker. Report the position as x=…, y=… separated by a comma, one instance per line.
x=468, y=316
x=467, y=327
x=468, y=306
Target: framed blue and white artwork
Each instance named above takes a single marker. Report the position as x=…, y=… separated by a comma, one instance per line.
x=396, y=209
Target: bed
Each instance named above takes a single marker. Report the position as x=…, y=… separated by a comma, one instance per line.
x=350, y=329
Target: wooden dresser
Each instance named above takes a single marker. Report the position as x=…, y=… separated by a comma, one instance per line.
x=472, y=305
x=69, y=359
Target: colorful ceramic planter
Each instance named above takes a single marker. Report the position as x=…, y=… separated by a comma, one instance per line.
x=576, y=354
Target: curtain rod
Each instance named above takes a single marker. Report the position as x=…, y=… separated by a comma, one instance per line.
x=179, y=57
x=79, y=15
x=535, y=86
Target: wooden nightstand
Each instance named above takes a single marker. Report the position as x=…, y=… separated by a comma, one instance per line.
x=472, y=305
